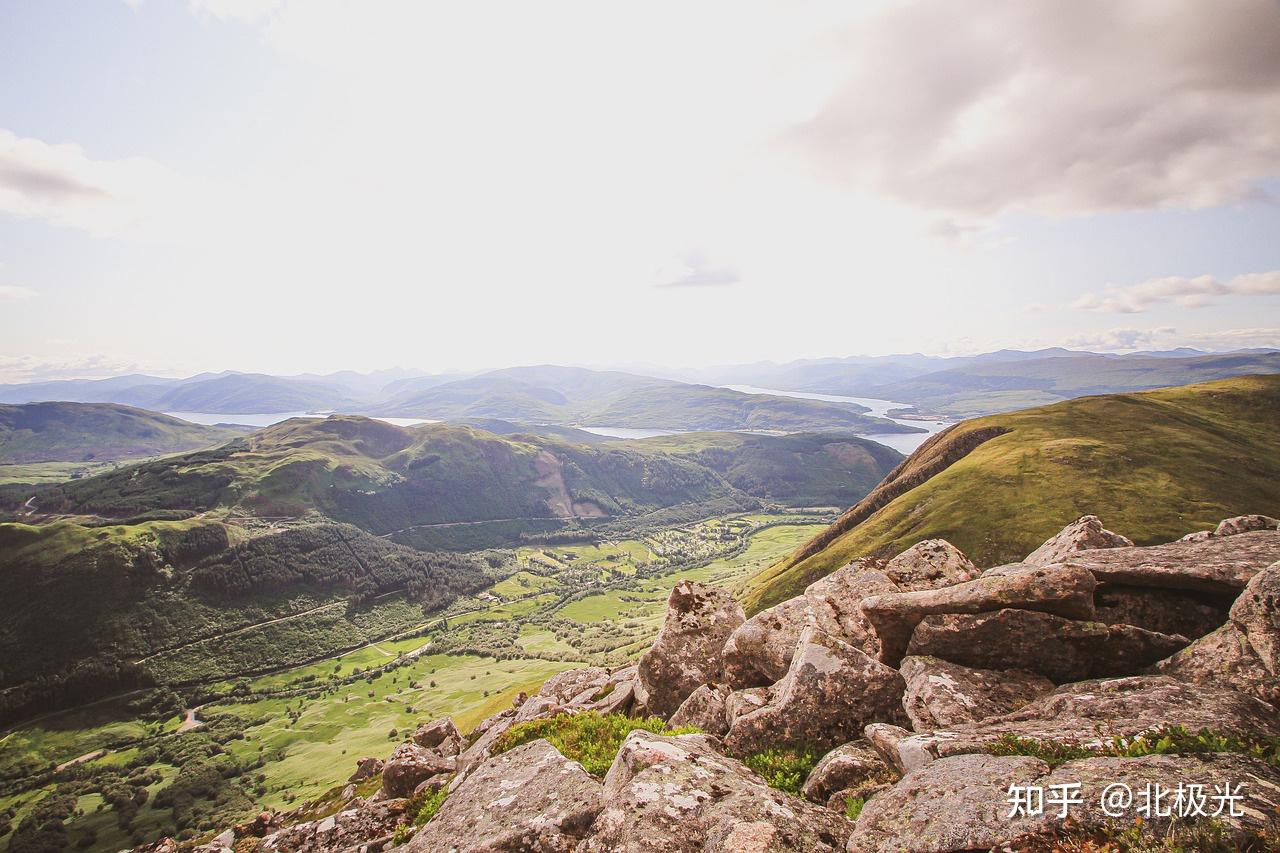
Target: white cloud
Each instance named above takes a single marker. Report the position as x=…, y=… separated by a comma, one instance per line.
x=236, y=10
x=1055, y=107
x=24, y=368
x=1186, y=292
x=1166, y=337
x=13, y=293
x=695, y=269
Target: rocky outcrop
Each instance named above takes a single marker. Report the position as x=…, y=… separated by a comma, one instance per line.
x=410, y=765
x=759, y=652
x=371, y=825
x=366, y=768
x=963, y=803
x=828, y=695
x=530, y=798
x=1058, y=590
x=1220, y=565
x=704, y=709
x=1092, y=713
x=930, y=564
x=1061, y=650
x=742, y=702
x=1245, y=652
x=1087, y=533
x=1245, y=524
x=940, y=694
x=1165, y=611
x=851, y=768
x=440, y=735
x=676, y=794
x=687, y=652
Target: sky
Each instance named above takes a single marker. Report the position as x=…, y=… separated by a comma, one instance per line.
x=291, y=186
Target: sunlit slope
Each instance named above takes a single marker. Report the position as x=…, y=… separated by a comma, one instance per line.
x=1152, y=465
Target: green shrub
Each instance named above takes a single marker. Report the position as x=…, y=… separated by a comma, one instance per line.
x=853, y=806
x=591, y=739
x=428, y=805
x=1170, y=740
x=784, y=769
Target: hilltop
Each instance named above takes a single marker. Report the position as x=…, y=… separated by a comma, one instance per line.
x=1160, y=463
x=84, y=432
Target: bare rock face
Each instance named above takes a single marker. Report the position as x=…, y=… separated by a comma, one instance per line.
x=370, y=823
x=531, y=798
x=687, y=653
x=759, y=652
x=852, y=767
x=1220, y=565
x=441, y=735
x=1084, y=534
x=962, y=803
x=741, y=702
x=705, y=709
x=940, y=694
x=1093, y=712
x=678, y=794
x=831, y=691
x=1245, y=652
x=1059, y=590
x=957, y=804
x=411, y=764
x=1061, y=650
x=930, y=564
x=1166, y=611
x=1245, y=524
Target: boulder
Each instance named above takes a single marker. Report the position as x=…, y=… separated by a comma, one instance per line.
x=368, y=824
x=759, y=652
x=1084, y=534
x=687, y=652
x=531, y=798
x=830, y=692
x=704, y=709
x=1220, y=565
x=678, y=794
x=963, y=803
x=849, y=768
x=1062, y=591
x=1166, y=611
x=941, y=694
x=959, y=804
x=1198, y=536
x=885, y=739
x=411, y=764
x=741, y=702
x=1245, y=652
x=1091, y=713
x=1245, y=524
x=1061, y=650
x=366, y=768
x=441, y=735
x=930, y=564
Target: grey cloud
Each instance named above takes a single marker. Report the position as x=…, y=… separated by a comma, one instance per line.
x=1055, y=107
x=1187, y=292
x=45, y=184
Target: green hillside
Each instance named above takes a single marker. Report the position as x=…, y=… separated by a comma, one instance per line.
x=801, y=469
x=1152, y=465
x=96, y=432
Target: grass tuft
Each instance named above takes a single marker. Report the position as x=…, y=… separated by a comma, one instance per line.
x=783, y=769
x=591, y=739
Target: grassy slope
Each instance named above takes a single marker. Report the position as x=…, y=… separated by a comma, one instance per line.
x=1154, y=466
x=80, y=432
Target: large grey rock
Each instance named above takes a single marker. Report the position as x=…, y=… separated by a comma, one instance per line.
x=1220, y=564
x=678, y=794
x=704, y=709
x=1094, y=712
x=959, y=804
x=941, y=694
x=850, y=767
x=1060, y=649
x=1166, y=611
x=687, y=652
x=411, y=764
x=1083, y=534
x=1059, y=590
x=759, y=651
x=1245, y=652
x=369, y=823
x=930, y=564
x=530, y=798
x=828, y=695
x=962, y=803
x=1245, y=524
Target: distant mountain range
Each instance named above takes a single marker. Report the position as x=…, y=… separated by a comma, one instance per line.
x=662, y=398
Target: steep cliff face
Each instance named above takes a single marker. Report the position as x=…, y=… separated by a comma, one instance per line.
x=896, y=705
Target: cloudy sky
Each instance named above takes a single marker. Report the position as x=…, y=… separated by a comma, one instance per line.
x=311, y=185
